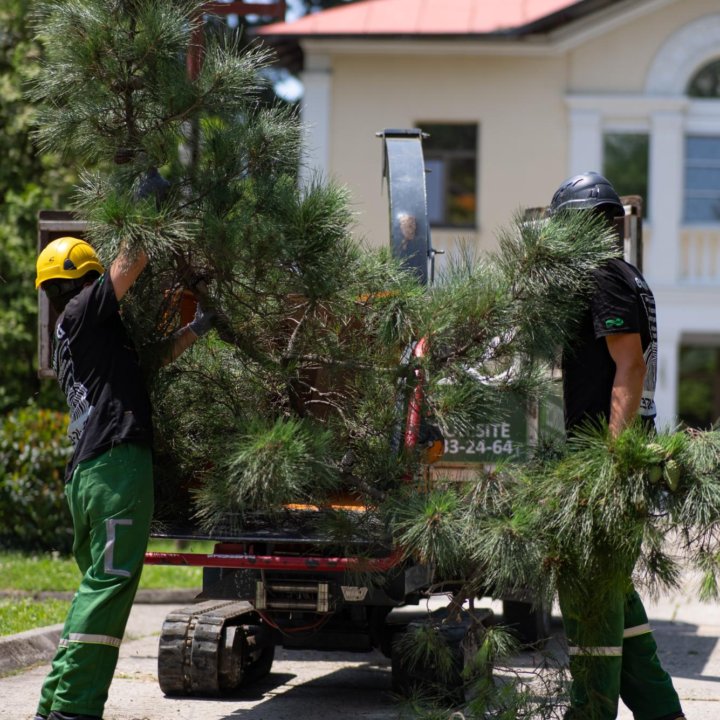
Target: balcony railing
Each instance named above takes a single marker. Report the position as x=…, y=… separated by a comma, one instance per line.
x=700, y=256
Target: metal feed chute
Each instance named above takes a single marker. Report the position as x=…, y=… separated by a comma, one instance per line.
x=404, y=171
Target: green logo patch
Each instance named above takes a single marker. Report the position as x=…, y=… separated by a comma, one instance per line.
x=614, y=322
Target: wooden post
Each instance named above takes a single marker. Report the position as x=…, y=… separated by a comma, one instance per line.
x=243, y=9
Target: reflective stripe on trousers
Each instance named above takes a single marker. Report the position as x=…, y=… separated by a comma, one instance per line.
x=615, y=650
x=90, y=639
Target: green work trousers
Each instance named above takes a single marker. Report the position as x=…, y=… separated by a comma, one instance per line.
x=111, y=502
x=615, y=657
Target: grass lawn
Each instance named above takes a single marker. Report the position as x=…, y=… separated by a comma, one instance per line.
x=50, y=572
x=17, y=615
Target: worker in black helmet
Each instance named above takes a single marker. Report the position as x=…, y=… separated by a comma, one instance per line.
x=609, y=375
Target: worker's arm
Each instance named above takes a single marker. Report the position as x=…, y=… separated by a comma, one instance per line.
x=177, y=344
x=627, y=354
x=127, y=266
x=183, y=338
x=125, y=270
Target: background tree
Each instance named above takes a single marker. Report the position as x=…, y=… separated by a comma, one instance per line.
x=29, y=180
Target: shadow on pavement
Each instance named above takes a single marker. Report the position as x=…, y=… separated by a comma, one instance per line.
x=684, y=653
x=364, y=689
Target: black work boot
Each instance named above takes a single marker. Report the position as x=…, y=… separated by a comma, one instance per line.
x=59, y=715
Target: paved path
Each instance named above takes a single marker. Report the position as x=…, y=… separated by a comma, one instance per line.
x=688, y=636
x=305, y=685
x=302, y=685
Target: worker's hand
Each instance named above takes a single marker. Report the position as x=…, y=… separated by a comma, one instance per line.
x=203, y=321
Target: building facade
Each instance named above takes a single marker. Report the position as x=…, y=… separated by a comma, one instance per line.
x=516, y=96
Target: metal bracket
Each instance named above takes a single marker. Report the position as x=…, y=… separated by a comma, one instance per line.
x=52, y=224
x=292, y=596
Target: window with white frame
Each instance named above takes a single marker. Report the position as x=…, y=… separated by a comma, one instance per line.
x=450, y=152
x=699, y=382
x=702, y=179
x=702, y=153
x=706, y=82
x=626, y=162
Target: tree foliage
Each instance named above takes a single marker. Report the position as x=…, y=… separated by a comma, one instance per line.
x=30, y=180
x=582, y=518
x=311, y=326
x=33, y=453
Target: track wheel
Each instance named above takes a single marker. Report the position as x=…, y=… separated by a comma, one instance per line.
x=260, y=654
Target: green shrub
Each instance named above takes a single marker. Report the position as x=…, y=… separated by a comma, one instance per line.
x=33, y=453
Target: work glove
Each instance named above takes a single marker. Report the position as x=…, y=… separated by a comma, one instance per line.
x=153, y=184
x=203, y=321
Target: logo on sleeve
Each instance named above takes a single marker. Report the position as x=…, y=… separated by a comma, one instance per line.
x=614, y=322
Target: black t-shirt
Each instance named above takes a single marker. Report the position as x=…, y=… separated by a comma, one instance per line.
x=98, y=370
x=622, y=302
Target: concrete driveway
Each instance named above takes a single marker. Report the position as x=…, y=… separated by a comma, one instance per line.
x=305, y=685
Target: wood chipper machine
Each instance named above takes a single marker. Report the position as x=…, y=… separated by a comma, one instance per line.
x=266, y=586
x=287, y=586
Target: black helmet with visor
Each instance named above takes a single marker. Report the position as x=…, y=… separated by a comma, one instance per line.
x=587, y=191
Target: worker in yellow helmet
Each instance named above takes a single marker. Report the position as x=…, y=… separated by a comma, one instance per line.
x=109, y=477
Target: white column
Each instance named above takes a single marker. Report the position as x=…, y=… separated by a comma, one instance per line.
x=315, y=116
x=667, y=162
x=585, y=146
x=669, y=335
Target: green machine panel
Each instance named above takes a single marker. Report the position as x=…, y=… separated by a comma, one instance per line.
x=510, y=436
x=502, y=439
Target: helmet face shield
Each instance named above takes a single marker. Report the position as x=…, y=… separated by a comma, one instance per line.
x=55, y=289
x=609, y=212
x=60, y=292
x=66, y=258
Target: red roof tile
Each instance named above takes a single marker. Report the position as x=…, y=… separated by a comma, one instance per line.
x=420, y=17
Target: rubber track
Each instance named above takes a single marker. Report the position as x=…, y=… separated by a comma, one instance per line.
x=189, y=649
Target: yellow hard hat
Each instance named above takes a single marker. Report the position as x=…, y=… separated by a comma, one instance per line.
x=66, y=258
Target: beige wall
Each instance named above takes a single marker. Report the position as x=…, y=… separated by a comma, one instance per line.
x=518, y=104
x=618, y=61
